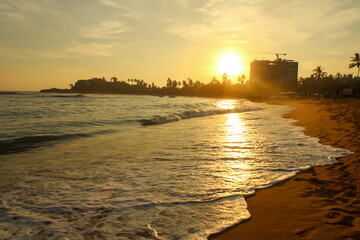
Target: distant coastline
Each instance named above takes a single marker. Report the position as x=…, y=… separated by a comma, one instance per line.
x=264, y=83
x=173, y=88
x=318, y=85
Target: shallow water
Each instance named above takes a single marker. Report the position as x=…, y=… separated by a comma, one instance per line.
x=140, y=167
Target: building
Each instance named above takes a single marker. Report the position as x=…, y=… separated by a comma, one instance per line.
x=280, y=72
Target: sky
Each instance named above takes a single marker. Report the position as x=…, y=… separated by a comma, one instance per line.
x=53, y=43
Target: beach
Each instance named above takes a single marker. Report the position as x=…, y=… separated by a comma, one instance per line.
x=319, y=203
x=143, y=167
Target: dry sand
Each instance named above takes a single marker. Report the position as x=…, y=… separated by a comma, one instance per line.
x=322, y=202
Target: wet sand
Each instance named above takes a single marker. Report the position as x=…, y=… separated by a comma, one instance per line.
x=322, y=202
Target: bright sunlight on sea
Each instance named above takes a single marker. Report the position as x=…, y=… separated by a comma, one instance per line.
x=140, y=167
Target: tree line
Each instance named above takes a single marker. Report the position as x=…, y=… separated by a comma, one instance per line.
x=329, y=85
x=188, y=87
x=319, y=82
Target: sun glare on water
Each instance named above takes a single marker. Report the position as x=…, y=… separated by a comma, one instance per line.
x=230, y=64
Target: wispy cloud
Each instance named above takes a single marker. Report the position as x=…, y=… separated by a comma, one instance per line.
x=20, y=10
x=27, y=53
x=90, y=49
x=127, y=8
x=238, y=21
x=266, y=22
x=111, y=3
x=184, y=3
x=104, y=30
x=74, y=50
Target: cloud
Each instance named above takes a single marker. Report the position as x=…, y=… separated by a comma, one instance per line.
x=20, y=10
x=268, y=23
x=127, y=8
x=145, y=10
x=30, y=53
x=184, y=3
x=337, y=21
x=111, y=3
x=90, y=49
x=104, y=30
x=74, y=50
x=235, y=22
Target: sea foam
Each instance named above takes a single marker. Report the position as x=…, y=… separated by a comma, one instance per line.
x=99, y=173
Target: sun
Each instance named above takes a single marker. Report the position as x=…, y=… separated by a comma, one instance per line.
x=230, y=64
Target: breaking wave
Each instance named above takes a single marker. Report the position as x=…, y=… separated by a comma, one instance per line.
x=192, y=114
x=22, y=144
x=62, y=95
x=8, y=93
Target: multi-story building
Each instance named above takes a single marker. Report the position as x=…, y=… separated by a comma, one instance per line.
x=280, y=72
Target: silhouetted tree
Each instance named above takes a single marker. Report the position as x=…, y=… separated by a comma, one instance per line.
x=241, y=79
x=319, y=73
x=338, y=75
x=329, y=86
x=184, y=83
x=355, y=62
x=169, y=83
x=214, y=81
x=190, y=82
x=226, y=80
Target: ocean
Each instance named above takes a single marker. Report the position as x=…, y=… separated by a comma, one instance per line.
x=140, y=167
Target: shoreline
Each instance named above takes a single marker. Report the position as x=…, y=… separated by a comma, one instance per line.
x=321, y=202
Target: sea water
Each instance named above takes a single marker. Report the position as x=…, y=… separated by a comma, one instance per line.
x=140, y=167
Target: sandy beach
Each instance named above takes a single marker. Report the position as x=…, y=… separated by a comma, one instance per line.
x=322, y=202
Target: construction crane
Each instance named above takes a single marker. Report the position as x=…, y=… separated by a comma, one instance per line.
x=278, y=54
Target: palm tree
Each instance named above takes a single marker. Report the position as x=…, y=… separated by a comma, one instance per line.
x=191, y=83
x=214, y=81
x=319, y=72
x=226, y=80
x=169, y=83
x=355, y=62
x=241, y=79
x=338, y=76
x=184, y=83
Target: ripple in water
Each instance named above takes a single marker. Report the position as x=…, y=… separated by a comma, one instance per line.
x=179, y=180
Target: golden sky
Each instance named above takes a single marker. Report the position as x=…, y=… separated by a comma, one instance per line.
x=52, y=43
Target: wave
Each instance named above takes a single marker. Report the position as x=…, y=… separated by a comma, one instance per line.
x=8, y=93
x=63, y=96
x=23, y=144
x=146, y=204
x=192, y=114
x=69, y=96
x=18, y=93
